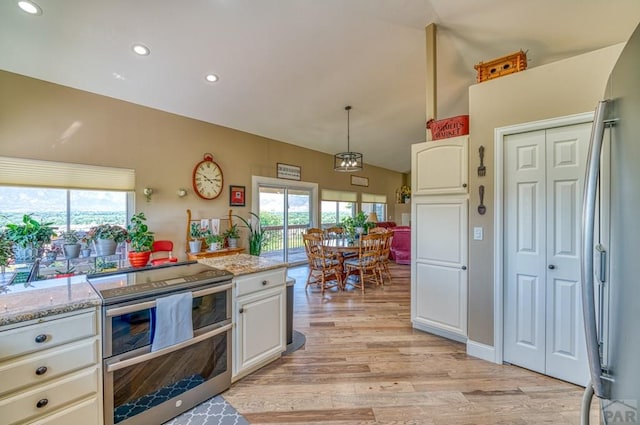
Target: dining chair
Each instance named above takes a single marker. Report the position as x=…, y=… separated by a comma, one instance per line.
x=378, y=230
x=324, y=267
x=334, y=232
x=366, y=263
x=385, y=250
x=312, y=230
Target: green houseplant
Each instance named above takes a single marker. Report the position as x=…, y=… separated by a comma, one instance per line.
x=213, y=240
x=232, y=234
x=71, y=246
x=140, y=240
x=29, y=238
x=6, y=250
x=196, y=233
x=256, y=233
x=106, y=237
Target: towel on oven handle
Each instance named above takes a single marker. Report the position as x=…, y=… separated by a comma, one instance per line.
x=174, y=322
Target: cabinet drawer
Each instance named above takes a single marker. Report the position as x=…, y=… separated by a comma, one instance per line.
x=51, y=396
x=49, y=364
x=51, y=333
x=259, y=281
x=85, y=413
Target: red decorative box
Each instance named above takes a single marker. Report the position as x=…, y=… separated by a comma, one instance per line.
x=449, y=127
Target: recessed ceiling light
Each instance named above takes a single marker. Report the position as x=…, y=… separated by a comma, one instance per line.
x=141, y=49
x=212, y=78
x=30, y=7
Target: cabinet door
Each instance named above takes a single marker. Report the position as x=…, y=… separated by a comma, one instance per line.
x=440, y=167
x=439, y=275
x=260, y=329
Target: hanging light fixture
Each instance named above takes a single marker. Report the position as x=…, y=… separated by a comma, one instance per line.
x=347, y=162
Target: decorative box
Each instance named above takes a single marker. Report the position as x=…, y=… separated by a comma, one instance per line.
x=449, y=127
x=495, y=68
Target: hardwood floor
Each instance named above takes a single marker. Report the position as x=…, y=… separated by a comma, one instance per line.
x=363, y=364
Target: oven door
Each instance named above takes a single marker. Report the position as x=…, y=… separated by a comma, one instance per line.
x=130, y=326
x=144, y=387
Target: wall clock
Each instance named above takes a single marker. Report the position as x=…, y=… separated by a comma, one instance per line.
x=207, y=178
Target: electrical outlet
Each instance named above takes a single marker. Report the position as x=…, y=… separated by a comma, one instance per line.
x=478, y=233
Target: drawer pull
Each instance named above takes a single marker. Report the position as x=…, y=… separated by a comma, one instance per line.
x=41, y=403
x=41, y=370
x=241, y=311
x=41, y=338
x=264, y=282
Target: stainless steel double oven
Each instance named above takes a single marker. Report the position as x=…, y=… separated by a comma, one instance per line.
x=145, y=387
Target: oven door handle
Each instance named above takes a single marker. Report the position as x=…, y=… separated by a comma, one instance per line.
x=146, y=357
x=150, y=304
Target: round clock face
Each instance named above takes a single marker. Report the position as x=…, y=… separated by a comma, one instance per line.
x=207, y=179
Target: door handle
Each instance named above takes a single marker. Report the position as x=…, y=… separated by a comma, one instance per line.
x=551, y=267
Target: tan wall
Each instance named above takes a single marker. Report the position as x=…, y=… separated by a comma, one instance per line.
x=562, y=88
x=41, y=120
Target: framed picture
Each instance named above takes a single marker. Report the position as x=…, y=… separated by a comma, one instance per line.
x=359, y=181
x=290, y=172
x=236, y=196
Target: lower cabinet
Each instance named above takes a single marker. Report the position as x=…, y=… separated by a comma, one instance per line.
x=50, y=371
x=259, y=335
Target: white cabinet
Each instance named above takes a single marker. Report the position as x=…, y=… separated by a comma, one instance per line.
x=50, y=370
x=439, y=272
x=439, y=235
x=259, y=315
x=439, y=167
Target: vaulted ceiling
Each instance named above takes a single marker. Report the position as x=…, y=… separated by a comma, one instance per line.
x=287, y=68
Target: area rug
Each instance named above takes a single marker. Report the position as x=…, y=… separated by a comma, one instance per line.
x=215, y=411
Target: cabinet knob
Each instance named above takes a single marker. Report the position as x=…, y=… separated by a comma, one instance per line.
x=464, y=267
x=551, y=267
x=464, y=185
x=241, y=311
x=41, y=338
x=41, y=403
x=41, y=370
x=264, y=282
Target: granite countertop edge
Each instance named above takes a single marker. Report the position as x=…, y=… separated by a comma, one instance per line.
x=39, y=313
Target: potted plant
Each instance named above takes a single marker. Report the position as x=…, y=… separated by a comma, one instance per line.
x=195, y=233
x=140, y=240
x=71, y=246
x=361, y=224
x=6, y=250
x=232, y=234
x=213, y=240
x=256, y=233
x=106, y=237
x=68, y=272
x=29, y=238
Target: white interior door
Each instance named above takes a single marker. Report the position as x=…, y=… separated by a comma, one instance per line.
x=544, y=173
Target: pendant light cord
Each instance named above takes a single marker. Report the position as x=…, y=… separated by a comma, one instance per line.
x=348, y=109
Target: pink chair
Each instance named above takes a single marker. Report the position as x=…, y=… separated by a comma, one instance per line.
x=401, y=245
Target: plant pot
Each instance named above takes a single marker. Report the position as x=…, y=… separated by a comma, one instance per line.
x=139, y=259
x=105, y=247
x=213, y=246
x=25, y=254
x=195, y=246
x=86, y=252
x=233, y=242
x=71, y=250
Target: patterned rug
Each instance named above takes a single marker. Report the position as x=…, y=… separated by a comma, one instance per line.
x=215, y=411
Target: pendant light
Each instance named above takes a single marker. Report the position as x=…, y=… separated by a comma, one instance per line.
x=347, y=162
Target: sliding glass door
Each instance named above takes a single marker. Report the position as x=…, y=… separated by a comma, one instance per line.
x=286, y=210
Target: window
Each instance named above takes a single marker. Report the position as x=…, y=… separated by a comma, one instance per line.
x=335, y=206
x=374, y=203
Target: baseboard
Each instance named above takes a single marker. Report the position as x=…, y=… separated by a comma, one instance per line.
x=440, y=332
x=481, y=351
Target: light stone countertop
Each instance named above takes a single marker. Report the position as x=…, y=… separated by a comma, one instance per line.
x=240, y=264
x=20, y=303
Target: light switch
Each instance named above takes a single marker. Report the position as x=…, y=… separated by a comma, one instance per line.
x=477, y=233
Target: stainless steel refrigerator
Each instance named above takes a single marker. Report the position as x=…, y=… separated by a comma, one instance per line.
x=611, y=267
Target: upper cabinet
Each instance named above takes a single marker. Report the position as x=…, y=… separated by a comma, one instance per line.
x=439, y=167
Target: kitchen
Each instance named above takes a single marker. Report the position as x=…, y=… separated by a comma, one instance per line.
x=151, y=137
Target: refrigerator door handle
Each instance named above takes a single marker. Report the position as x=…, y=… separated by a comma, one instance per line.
x=588, y=220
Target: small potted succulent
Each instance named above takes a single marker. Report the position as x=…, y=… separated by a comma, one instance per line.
x=196, y=233
x=106, y=237
x=232, y=234
x=71, y=246
x=140, y=240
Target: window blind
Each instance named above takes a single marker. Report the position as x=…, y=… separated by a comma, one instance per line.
x=340, y=196
x=37, y=173
x=373, y=198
